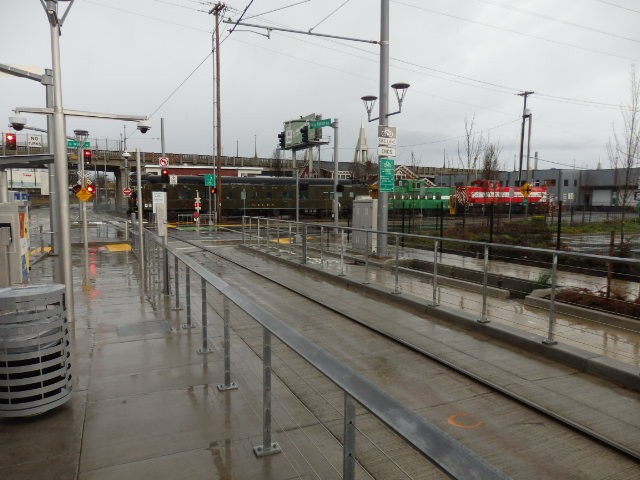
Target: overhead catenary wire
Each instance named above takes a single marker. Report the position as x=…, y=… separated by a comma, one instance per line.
x=330, y=15
x=618, y=6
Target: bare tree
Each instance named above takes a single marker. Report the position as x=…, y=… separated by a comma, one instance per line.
x=471, y=151
x=625, y=146
x=491, y=161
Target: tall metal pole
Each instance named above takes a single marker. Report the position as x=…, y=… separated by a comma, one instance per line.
x=60, y=159
x=54, y=210
x=81, y=138
x=219, y=7
x=140, y=217
x=335, y=173
x=383, y=197
x=524, y=95
x=165, y=252
x=295, y=172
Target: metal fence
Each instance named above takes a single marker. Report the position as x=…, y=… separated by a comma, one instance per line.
x=156, y=269
x=579, y=299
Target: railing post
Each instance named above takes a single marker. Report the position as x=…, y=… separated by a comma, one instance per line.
x=268, y=235
x=290, y=241
x=321, y=248
x=304, y=243
x=397, y=269
x=552, y=303
x=278, y=239
x=366, y=258
x=485, y=280
x=268, y=447
x=228, y=384
x=176, y=280
x=258, y=233
x=41, y=241
x=342, y=253
x=187, y=293
x=434, y=302
x=205, y=342
x=349, y=445
x=243, y=220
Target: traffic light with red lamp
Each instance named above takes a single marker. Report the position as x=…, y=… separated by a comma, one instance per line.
x=87, y=155
x=10, y=141
x=214, y=190
x=164, y=175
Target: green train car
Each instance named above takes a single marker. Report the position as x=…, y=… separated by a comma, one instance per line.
x=417, y=195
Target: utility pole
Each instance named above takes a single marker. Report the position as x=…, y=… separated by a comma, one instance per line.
x=217, y=10
x=383, y=106
x=524, y=95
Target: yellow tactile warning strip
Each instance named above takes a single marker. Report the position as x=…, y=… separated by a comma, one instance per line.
x=118, y=247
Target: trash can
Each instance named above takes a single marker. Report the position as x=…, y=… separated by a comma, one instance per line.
x=35, y=366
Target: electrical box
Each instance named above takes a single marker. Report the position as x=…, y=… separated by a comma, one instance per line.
x=15, y=261
x=365, y=216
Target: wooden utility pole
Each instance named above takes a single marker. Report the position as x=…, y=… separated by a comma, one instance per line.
x=217, y=10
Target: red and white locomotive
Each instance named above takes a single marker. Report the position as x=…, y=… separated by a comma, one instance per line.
x=484, y=192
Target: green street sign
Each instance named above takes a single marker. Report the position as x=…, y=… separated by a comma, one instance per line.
x=76, y=144
x=320, y=123
x=387, y=175
x=210, y=180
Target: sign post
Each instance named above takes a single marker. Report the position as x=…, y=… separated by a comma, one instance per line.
x=210, y=181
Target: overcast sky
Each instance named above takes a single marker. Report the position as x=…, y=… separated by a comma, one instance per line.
x=463, y=58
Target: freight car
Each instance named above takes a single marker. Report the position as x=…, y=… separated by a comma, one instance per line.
x=254, y=196
x=419, y=195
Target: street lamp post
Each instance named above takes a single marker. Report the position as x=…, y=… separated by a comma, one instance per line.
x=81, y=137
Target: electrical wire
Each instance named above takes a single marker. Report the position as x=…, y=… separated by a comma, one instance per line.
x=502, y=29
x=277, y=9
x=240, y=18
x=618, y=6
x=557, y=20
x=328, y=16
x=444, y=140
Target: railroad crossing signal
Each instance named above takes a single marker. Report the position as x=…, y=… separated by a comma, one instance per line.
x=526, y=189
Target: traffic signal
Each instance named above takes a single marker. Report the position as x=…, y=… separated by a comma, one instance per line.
x=305, y=134
x=88, y=156
x=164, y=175
x=10, y=141
x=281, y=139
x=214, y=190
x=91, y=189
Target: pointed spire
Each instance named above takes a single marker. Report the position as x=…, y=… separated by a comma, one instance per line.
x=362, y=150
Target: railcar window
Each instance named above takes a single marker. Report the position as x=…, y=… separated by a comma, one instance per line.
x=438, y=195
x=287, y=194
x=185, y=194
x=255, y=195
x=268, y=195
x=429, y=195
x=304, y=194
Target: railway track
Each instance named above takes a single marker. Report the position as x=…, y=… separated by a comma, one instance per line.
x=508, y=424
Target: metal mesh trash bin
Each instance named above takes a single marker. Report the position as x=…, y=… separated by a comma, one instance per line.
x=35, y=368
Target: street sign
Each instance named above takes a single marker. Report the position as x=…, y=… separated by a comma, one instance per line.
x=387, y=174
x=34, y=140
x=210, y=180
x=386, y=131
x=526, y=189
x=243, y=194
x=126, y=192
x=76, y=144
x=173, y=179
x=83, y=194
x=326, y=122
x=158, y=197
x=386, y=151
x=163, y=161
x=389, y=142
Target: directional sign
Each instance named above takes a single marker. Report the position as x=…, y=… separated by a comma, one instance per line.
x=387, y=175
x=386, y=151
x=326, y=122
x=76, y=144
x=126, y=192
x=163, y=161
x=526, y=189
x=210, y=180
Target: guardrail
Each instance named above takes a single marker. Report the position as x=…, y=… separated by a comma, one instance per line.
x=536, y=280
x=447, y=454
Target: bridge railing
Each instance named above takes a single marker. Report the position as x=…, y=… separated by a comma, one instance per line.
x=438, y=447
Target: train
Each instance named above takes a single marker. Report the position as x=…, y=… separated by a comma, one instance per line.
x=253, y=196
x=423, y=196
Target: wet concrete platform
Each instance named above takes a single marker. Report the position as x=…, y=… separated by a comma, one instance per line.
x=145, y=404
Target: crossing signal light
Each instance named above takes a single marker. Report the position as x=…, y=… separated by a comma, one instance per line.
x=281, y=139
x=91, y=189
x=165, y=175
x=305, y=134
x=10, y=141
x=88, y=156
x=77, y=188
